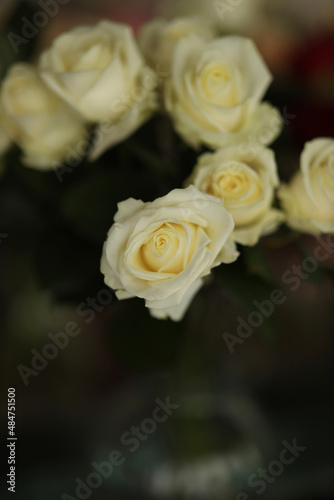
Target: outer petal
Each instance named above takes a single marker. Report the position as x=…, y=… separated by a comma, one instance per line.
x=228, y=254
x=268, y=224
x=176, y=313
x=301, y=213
x=315, y=153
x=244, y=53
x=298, y=216
x=108, y=134
x=158, y=38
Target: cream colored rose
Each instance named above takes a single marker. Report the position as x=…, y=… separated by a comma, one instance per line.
x=99, y=70
x=246, y=187
x=215, y=90
x=158, y=39
x=38, y=121
x=309, y=197
x=160, y=251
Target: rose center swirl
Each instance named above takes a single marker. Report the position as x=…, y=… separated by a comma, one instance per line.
x=235, y=182
x=220, y=84
x=169, y=248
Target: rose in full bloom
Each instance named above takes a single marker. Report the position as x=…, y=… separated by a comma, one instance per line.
x=246, y=187
x=161, y=251
x=100, y=71
x=158, y=38
x=308, y=199
x=215, y=90
x=41, y=123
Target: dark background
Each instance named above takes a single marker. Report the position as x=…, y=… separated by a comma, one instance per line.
x=235, y=409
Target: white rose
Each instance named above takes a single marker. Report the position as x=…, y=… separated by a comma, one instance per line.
x=215, y=90
x=160, y=251
x=158, y=38
x=246, y=187
x=38, y=121
x=100, y=72
x=309, y=197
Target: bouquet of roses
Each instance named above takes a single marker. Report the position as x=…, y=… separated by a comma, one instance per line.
x=177, y=118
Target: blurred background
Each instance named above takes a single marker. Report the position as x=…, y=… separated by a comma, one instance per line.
x=82, y=399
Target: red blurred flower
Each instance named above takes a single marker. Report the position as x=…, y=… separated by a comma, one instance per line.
x=316, y=58
x=314, y=72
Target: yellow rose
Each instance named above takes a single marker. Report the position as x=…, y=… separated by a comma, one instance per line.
x=158, y=38
x=308, y=199
x=246, y=187
x=100, y=72
x=161, y=251
x=214, y=93
x=38, y=121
